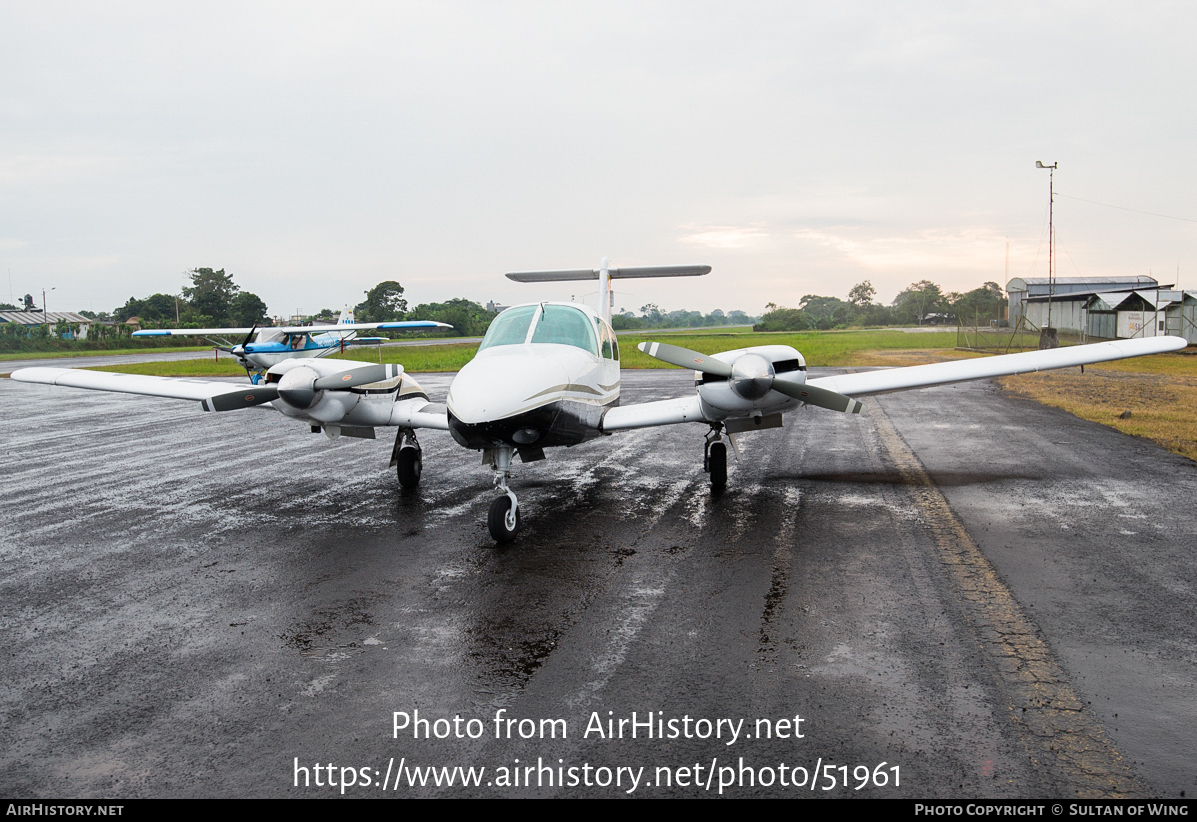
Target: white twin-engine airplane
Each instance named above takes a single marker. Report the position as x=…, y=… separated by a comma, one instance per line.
x=273, y=345
x=547, y=374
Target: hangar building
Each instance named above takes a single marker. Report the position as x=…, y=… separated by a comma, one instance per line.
x=1028, y=297
x=52, y=318
x=1104, y=308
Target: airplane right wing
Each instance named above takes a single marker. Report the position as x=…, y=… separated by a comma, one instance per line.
x=884, y=381
x=213, y=396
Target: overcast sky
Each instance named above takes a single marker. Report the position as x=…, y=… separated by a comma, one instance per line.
x=313, y=150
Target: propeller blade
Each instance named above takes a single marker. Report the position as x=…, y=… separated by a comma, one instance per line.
x=361, y=375
x=255, y=395
x=249, y=336
x=811, y=395
x=685, y=358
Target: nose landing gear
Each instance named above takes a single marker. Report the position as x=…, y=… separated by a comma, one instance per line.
x=714, y=457
x=503, y=519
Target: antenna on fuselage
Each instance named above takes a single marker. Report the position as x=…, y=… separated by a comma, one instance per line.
x=605, y=274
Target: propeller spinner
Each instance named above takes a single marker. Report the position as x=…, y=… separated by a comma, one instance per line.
x=751, y=376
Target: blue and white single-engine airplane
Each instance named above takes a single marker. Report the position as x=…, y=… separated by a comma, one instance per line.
x=547, y=374
x=275, y=344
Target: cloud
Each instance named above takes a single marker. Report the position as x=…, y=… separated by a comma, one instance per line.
x=927, y=250
x=723, y=236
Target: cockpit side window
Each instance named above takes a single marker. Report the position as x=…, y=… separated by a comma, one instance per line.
x=607, y=340
x=563, y=325
x=510, y=327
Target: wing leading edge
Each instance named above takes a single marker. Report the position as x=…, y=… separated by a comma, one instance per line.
x=175, y=388
x=884, y=381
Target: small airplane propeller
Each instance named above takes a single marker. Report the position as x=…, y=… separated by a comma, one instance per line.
x=249, y=336
x=685, y=358
x=299, y=394
x=751, y=375
x=247, y=398
x=361, y=375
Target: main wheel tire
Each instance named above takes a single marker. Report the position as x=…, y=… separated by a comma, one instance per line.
x=717, y=460
x=501, y=526
x=409, y=466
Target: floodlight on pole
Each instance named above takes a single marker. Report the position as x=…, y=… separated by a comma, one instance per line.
x=1051, y=239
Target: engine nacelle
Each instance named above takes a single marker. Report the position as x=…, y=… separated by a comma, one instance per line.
x=754, y=370
x=297, y=391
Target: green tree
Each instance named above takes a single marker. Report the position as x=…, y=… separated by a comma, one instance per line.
x=862, y=294
x=211, y=294
x=980, y=305
x=779, y=318
x=918, y=300
x=827, y=312
x=248, y=309
x=384, y=303
x=468, y=318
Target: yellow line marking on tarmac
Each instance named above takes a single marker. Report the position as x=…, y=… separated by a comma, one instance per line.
x=1051, y=720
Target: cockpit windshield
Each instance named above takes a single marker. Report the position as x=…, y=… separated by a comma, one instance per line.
x=510, y=327
x=563, y=325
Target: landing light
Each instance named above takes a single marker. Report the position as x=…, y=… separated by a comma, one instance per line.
x=526, y=436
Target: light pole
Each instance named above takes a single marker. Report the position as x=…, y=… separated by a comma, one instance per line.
x=45, y=313
x=1051, y=340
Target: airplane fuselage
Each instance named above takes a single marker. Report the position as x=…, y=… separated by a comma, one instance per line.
x=544, y=375
x=261, y=355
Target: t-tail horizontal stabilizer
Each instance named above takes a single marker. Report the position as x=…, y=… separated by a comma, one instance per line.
x=604, y=274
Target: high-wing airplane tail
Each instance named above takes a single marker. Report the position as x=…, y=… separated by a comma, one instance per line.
x=604, y=274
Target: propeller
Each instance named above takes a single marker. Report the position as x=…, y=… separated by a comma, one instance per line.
x=249, y=336
x=750, y=376
x=296, y=393
x=256, y=395
x=361, y=375
x=685, y=358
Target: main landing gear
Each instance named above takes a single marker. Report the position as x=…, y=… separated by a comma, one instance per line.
x=714, y=457
x=407, y=458
x=503, y=519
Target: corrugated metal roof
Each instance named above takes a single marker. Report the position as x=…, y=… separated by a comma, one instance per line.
x=1064, y=296
x=1166, y=297
x=1136, y=280
x=39, y=317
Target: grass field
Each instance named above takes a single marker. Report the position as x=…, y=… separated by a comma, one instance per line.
x=104, y=352
x=818, y=347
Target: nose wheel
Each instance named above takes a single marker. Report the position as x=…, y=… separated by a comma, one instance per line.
x=714, y=459
x=503, y=519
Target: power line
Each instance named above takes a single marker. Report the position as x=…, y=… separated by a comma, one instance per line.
x=1124, y=208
